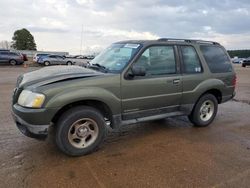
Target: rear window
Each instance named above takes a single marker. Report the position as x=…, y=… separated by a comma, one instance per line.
x=216, y=58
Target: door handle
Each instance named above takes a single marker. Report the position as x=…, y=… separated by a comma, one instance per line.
x=176, y=81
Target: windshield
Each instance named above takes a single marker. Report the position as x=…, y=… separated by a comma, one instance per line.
x=116, y=57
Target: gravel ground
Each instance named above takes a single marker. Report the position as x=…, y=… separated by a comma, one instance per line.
x=166, y=153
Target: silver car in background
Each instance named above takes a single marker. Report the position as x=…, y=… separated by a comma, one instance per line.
x=12, y=58
x=79, y=60
x=54, y=60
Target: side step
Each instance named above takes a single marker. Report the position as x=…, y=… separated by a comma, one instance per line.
x=150, y=118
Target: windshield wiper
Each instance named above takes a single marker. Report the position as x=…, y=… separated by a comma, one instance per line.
x=103, y=68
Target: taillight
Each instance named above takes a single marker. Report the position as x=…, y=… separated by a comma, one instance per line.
x=234, y=81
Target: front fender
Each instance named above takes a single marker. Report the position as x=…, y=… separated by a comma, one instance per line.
x=88, y=93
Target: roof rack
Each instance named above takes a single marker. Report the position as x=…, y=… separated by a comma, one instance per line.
x=188, y=40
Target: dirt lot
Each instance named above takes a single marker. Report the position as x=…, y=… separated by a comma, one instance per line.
x=167, y=153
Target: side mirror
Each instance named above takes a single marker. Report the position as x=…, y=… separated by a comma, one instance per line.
x=138, y=71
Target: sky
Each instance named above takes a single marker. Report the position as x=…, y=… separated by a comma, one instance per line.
x=91, y=25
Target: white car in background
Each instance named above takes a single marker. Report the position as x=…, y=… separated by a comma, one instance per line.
x=238, y=60
x=37, y=56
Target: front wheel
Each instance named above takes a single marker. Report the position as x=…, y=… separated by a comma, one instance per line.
x=204, y=111
x=80, y=131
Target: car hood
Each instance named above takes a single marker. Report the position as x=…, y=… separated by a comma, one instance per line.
x=52, y=74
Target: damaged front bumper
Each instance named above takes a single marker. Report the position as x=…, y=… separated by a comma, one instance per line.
x=33, y=131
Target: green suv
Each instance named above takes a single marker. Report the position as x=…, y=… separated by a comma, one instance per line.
x=129, y=82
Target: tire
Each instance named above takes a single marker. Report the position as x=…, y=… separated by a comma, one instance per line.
x=80, y=130
x=46, y=63
x=69, y=63
x=243, y=65
x=204, y=111
x=13, y=62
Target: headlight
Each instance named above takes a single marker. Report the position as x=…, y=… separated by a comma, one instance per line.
x=29, y=99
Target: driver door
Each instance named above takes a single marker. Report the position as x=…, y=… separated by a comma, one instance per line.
x=159, y=91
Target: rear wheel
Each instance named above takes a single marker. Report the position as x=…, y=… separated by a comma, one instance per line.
x=69, y=63
x=204, y=111
x=80, y=131
x=13, y=62
x=46, y=63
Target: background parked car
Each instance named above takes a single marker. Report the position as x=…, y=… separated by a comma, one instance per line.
x=37, y=56
x=246, y=62
x=238, y=60
x=54, y=60
x=79, y=60
x=11, y=57
x=90, y=57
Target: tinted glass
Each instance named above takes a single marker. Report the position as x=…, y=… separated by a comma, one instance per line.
x=216, y=59
x=4, y=53
x=158, y=60
x=41, y=55
x=191, y=62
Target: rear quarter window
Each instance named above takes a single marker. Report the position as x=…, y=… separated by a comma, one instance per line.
x=191, y=61
x=216, y=58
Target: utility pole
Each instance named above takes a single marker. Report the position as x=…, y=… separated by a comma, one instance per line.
x=81, y=41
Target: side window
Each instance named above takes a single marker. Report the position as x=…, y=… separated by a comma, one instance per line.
x=216, y=58
x=5, y=53
x=13, y=54
x=191, y=62
x=158, y=60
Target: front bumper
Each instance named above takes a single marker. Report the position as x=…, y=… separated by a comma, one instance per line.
x=33, y=131
x=33, y=123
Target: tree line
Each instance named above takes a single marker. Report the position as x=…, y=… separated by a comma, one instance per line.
x=239, y=53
